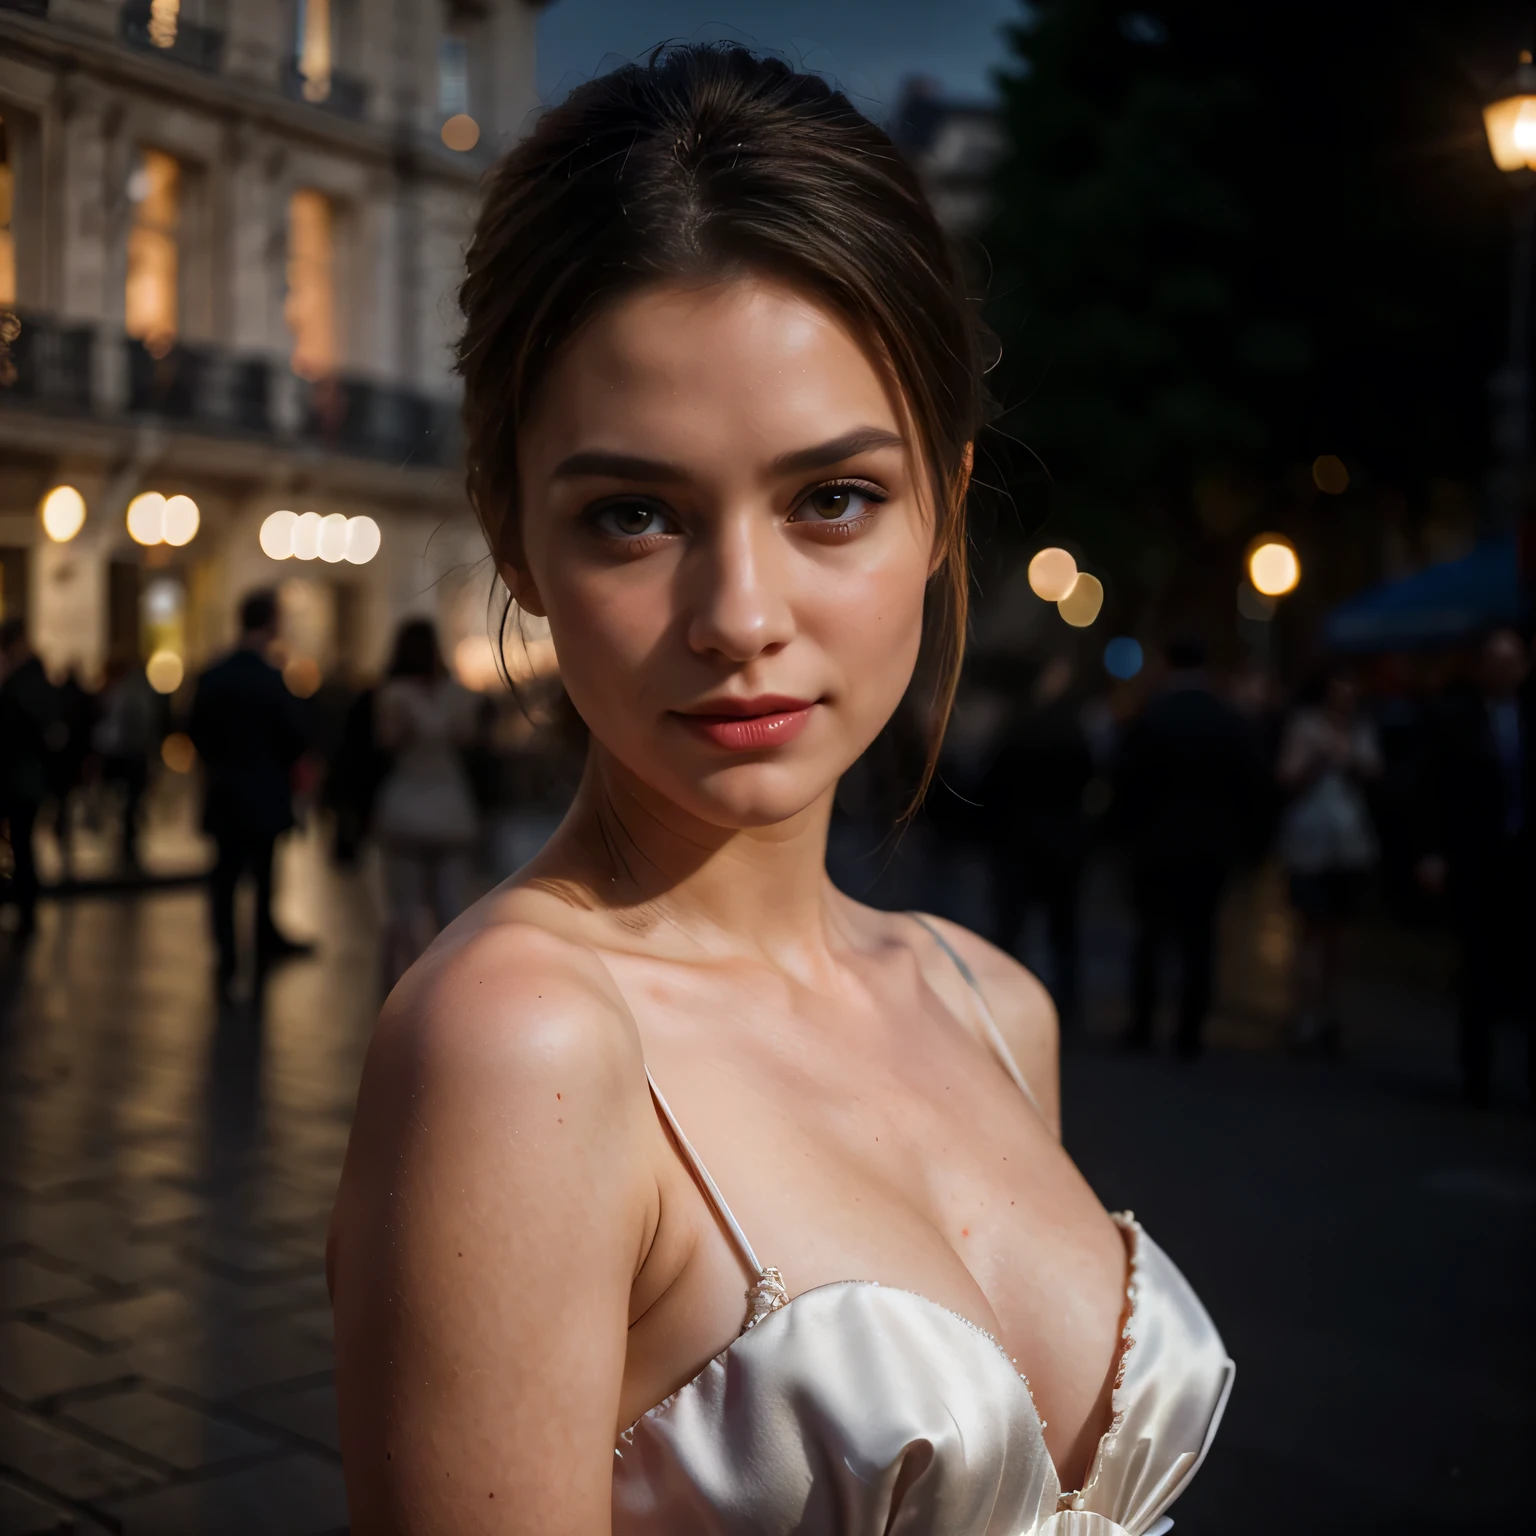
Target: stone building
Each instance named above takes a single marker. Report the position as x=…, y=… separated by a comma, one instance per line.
x=229, y=234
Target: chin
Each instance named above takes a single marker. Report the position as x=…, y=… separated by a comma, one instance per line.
x=740, y=796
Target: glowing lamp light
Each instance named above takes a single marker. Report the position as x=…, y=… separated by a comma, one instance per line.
x=331, y=545
x=302, y=677
x=1080, y=607
x=308, y=536
x=63, y=513
x=1052, y=574
x=164, y=671
x=461, y=132
x=277, y=535
x=1330, y=475
x=363, y=540
x=1510, y=122
x=146, y=518
x=177, y=752
x=1273, y=566
x=181, y=520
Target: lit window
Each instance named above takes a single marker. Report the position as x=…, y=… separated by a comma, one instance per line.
x=151, y=306
x=314, y=44
x=310, y=308
x=163, y=17
x=7, y=239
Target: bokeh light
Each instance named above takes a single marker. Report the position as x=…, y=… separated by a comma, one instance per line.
x=277, y=535
x=331, y=545
x=63, y=513
x=177, y=752
x=1329, y=474
x=165, y=671
x=1080, y=607
x=306, y=536
x=146, y=518
x=1052, y=574
x=302, y=677
x=1273, y=566
x=1123, y=657
x=181, y=520
x=474, y=663
x=363, y=539
x=461, y=132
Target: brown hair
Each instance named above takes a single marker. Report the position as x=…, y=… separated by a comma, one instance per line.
x=702, y=163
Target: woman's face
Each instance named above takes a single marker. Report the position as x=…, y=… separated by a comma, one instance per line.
x=726, y=523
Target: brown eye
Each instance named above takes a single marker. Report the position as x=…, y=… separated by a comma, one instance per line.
x=631, y=520
x=838, y=504
x=831, y=501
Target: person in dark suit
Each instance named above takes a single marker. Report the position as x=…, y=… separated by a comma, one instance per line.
x=1478, y=817
x=1037, y=838
x=249, y=732
x=29, y=709
x=1185, y=788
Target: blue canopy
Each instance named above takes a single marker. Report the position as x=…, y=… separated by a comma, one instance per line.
x=1436, y=606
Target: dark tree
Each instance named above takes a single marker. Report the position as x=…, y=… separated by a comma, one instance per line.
x=1228, y=238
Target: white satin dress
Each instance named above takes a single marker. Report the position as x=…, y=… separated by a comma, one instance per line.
x=856, y=1409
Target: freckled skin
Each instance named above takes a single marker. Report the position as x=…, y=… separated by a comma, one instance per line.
x=682, y=919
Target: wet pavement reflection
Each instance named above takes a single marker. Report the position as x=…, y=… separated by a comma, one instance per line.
x=1367, y=1245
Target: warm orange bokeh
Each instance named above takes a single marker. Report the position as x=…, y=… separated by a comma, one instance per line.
x=310, y=308
x=151, y=295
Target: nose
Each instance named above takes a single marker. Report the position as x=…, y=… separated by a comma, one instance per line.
x=739, y=606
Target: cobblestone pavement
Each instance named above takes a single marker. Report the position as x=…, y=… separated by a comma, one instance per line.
x=166, y=1170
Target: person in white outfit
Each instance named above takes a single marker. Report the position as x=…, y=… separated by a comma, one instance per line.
x=1327, y=842
x=425, y=819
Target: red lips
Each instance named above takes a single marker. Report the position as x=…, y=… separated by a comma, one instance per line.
x=749, y=725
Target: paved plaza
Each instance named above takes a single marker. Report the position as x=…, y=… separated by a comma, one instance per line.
x=1367, y=1246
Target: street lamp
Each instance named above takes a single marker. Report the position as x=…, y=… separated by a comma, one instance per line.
x=1510, y=121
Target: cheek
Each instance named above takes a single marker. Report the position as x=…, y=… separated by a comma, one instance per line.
x=870, y=625
x=607, y=625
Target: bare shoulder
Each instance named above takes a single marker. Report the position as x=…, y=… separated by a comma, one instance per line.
x=1022, y=1008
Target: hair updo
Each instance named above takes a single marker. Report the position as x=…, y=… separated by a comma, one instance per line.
x=701, y=164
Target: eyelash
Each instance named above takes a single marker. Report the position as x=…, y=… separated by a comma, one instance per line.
x=641, y=543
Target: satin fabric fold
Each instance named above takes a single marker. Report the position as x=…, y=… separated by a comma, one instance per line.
x=862, y=1410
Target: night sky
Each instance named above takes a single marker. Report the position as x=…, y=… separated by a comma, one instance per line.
x=867, y=46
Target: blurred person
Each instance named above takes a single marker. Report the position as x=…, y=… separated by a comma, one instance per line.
x=69, y=748
x=1327, y=843
x=126, y=734
x=28, y=713
x=425, y=817
x=1478, y=818
x=1037, y=828
x=721, y=383
x=357, y=767
x=1185, y=783
x=249, y=732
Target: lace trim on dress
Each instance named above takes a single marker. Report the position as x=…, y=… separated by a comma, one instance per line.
x=765, y=1295
x=1126, y=1221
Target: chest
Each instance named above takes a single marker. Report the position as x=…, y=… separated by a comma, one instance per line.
x=881, y=1142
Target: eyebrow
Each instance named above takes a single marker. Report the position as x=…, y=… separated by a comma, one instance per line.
x=628, y=466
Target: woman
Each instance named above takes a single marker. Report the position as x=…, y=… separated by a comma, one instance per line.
x=425, y=818
x=1327, y=843
x=685, y=1194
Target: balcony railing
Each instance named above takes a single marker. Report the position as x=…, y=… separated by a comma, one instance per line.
x=64, y=367
x=26, y=7
x=378, y=422
x=45, y=363
x=337, y=92
x=170, y=37
x=201, y=385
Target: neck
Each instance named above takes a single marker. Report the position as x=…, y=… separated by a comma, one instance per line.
x=762, y=890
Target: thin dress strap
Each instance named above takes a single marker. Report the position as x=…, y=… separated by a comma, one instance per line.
x=994, y=1034
x=766, y=1293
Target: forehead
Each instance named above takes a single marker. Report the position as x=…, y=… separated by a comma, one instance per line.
x=670, y=368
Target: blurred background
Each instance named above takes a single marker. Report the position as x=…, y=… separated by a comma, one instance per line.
x=1243, y=762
